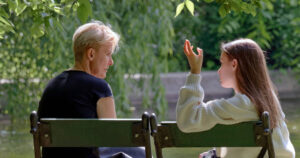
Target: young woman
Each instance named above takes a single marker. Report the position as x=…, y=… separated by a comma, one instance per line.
x=243, y=68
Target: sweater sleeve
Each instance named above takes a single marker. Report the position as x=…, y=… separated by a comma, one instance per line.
x=193, y=115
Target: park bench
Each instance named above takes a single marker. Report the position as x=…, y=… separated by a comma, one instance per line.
x=245, y=134
x=51, y=132
x=54, y=132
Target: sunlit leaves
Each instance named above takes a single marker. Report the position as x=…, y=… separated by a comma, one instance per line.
x=4, y=21
x=190, y=6
x=37, y=30
x=179, y=9
x=84, y=10
x=5, y=26
x=58, y=10
x=188, y=3
x=222, y=11
x=208, y=1
x=40, y=12
x=227, y=6
x=267, y=4
x=2, y=3
x=20, y=8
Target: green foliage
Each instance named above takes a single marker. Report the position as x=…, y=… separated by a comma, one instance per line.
x=40, y=11
x=43, y=12
x=36, y=53
x=31, y=54
x=28, y=60
x=179, y=8
x=275, y=30
x=190, y=6
x=227, y=6
x=36, y=42
x=84, y=10
x=144, y=48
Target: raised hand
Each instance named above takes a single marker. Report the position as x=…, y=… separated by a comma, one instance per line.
x=195, y=60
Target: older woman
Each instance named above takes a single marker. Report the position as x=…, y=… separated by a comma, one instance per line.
x=82, y=92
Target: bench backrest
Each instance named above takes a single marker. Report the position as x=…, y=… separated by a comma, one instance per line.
x=245, y=134
x=49, y=132
x=237, y=135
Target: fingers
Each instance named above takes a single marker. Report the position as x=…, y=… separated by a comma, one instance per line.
x=190, y=48
x=185, y=50
x=200, y=51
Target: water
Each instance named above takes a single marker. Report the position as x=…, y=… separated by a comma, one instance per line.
x=16, y=142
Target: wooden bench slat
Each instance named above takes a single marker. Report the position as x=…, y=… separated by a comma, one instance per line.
x=68, y=132
x=244, y=134
x=237, y=135
x=73, y=132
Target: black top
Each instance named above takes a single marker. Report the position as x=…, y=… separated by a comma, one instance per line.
x=72, y=94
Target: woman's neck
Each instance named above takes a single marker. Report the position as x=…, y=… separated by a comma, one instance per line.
x=236, y=88
x=81, y=67
x=236, y=91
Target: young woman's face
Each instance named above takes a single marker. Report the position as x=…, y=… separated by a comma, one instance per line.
x=227, y=71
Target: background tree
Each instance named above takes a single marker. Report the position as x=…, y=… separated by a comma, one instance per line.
x=36, y=42
x=275, y=27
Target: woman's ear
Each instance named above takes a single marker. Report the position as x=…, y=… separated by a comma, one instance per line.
x=234, y=64
x=90, y=54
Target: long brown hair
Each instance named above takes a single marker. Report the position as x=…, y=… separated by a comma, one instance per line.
x=253, y=78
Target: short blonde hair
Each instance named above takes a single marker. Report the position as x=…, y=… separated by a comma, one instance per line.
x=92, y=35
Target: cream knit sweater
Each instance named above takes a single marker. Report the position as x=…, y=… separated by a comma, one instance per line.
x=193, y=115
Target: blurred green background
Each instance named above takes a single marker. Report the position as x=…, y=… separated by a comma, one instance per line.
x=36, y=45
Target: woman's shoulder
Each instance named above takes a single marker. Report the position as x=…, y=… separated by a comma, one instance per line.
x=83, y=77
x=240, y=100
x=74, y=79
x=238, y=108
x=243, y=97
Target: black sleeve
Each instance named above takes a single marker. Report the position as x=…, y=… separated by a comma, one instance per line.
x=102, y=90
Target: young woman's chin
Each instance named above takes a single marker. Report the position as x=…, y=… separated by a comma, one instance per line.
x=224, y=85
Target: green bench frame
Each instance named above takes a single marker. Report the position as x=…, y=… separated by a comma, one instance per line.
x=51, y=132
x=245, y=134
